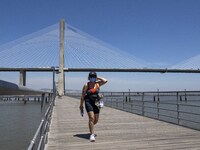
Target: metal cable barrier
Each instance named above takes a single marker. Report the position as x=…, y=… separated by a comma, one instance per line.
x=177, y=107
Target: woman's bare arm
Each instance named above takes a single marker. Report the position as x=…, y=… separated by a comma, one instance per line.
x=101, y=81
x=84, y=90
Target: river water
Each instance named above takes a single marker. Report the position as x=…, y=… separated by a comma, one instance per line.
x=18, y=123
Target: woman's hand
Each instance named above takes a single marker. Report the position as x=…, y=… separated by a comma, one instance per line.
x=81, y=107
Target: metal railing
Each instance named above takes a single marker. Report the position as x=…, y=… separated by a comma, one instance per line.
x=11, y=90
x=41, y=136
x=177, y=107
x=182, y=108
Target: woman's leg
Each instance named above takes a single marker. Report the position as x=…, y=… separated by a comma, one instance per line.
x=96, y=118
x=93, y=114
x=91, y=121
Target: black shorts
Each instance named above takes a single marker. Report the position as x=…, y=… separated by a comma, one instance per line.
x=90, y=106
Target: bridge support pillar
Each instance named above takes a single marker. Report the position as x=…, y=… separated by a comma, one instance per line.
x=22, y=77
x=61, y=64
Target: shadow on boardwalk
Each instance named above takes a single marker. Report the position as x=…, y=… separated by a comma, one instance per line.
x=116, y=130
x=83, y=136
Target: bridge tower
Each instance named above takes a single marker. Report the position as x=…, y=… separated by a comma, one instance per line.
x=22, y=78
x=61, y=63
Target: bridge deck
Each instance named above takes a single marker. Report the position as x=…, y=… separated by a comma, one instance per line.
x=115, y=130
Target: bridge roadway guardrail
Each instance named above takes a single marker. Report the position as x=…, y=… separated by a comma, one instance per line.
x=177, y=107
x=40, y=138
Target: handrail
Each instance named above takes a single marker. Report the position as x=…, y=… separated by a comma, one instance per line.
x=42, y=129
x=35, y=136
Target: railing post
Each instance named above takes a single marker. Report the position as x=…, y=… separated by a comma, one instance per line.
x=158, y=113
x=54, y=85
x=158, y=95
x=42, y=100
x=123, y=105
x=142, y=103
x=185, y=96
x=177, y=95
x=178, y=115
x=132, y=106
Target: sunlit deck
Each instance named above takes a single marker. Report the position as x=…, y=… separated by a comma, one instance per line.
x=115, y=130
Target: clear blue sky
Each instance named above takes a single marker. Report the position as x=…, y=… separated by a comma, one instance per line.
x=160, y=31
x=157, y=31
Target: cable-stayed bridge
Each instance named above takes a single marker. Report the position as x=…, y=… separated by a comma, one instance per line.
x=192, y=63
x=41, y=50
x=47, y=49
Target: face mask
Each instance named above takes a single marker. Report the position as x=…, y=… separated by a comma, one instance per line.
x=92, y=79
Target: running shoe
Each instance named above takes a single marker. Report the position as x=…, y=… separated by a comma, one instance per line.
x=92, y=138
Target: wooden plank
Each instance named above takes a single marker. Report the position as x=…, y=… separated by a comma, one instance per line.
x=115, y=130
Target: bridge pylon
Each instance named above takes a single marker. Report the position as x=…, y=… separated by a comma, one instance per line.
x=61, y=63
x=22, y=78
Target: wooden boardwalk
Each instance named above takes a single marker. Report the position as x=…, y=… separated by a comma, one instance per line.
x=115, y=130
